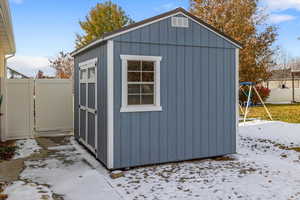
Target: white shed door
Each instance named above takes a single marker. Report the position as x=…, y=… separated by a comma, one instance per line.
x=88, y=104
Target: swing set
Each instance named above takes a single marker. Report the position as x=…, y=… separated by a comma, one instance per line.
x=249, y=95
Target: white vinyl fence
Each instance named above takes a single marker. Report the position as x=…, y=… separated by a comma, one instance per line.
x=279, y=95
x=36, y=107
x=53, y=105
x=19, y=109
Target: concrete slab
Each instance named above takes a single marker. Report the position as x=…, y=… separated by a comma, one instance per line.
x=10, y=170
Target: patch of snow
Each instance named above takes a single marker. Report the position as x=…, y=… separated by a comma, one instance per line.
x=280, y=132
x=26, y=148
x=61, y=148
x=27, y=191
x=86, y=155
x=72, y=177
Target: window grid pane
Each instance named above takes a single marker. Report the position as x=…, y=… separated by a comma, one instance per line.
x=83, y=74
x=141, y=83
x=134, y=100
x=140, y=94
x=91, y=73
x=147, y=66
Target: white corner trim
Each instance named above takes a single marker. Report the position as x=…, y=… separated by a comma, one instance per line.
x=140, y=108
x=237, y=63
x=110, y=104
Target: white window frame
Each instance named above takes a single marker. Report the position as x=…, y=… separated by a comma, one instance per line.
x=87, y=65
x=140, y=108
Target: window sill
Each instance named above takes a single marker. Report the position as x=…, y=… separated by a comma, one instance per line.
x=141, y=109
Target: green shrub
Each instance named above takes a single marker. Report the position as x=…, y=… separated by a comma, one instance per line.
x=7, y=152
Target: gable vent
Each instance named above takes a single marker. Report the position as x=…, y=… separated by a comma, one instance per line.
x=182, y=22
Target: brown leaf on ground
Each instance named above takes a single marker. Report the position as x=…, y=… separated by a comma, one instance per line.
x=3, y=196
x=223, y=158
x=116, y=174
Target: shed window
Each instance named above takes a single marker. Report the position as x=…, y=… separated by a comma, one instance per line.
x=140, y=83
x=83, y=74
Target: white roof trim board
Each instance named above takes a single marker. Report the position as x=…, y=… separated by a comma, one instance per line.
x=148, y=23
x=6, y=27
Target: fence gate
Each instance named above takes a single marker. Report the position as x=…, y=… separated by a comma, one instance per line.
x=53, y=106
x=42, y=107
x=19, y=109
x=88, y=104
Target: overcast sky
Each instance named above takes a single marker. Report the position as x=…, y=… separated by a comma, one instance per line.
x=44, y=27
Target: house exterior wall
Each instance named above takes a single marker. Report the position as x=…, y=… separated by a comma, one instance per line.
x=2, y=64
x=198, y=97
x=7, y=47
x=283, y=96
x=274, y=84
x=100, y=52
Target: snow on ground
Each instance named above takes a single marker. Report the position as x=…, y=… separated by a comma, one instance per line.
x=21, y=190
x=70, y=175
x=261, y=169
x=26, y=148
x=279, y=132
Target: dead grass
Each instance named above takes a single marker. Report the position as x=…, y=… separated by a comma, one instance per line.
x=286, y=113
x=295, y=149
x=223, y=158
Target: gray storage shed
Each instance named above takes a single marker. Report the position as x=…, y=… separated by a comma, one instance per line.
x=160, y=90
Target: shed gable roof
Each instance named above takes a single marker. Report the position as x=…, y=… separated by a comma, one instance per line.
x=154, y=19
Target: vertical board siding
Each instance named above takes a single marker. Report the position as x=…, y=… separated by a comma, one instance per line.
x=196, y=118
x=188, y=106
x=117, y=105
x=197, y=97
x=180, y=103
x=197, y=101
x=154, y=123
x=164, y=102
x=172, y=108
x=99, y=52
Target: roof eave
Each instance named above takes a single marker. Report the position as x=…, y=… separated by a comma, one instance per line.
x=7, y=24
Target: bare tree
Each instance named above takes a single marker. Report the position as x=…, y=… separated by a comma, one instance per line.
x=63, y=65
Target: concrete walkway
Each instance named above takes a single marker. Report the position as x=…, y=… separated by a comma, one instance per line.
x=63, y=167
